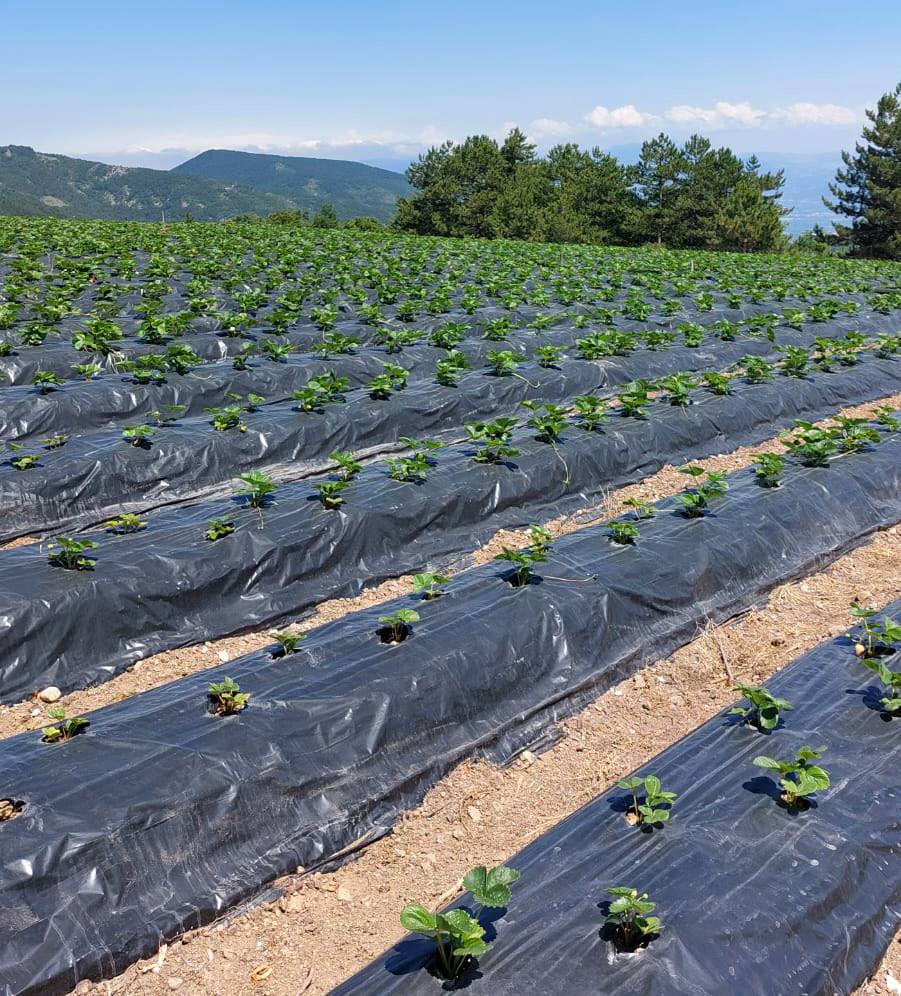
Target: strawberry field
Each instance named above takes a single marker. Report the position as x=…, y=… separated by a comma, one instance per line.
x=212, y=430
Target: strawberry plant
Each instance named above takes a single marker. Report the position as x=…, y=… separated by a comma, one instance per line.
x=622, y=531
x=392, y=378
x=547, y=356
x=349, y=465
x=288, y=642
x=64, y=729
x=812, y=446
x=717, y=383
x=429, y=585
x=458, y=935
x=678, y=387
x=800, y=778
x=548, y=424
x=87, y=371
x=126, y=523
x=768, y=468
x=634, y=399
x=335, y=344
x=640, y=509
x=241, y=359
x=138, y=436
x=656, y=804
x=218, y=529
x=257, y=487
x=885, y=415
x=331, y=492
x=854, y=434
x=449, y=335
x=56, y=441
x=226, y=697
x=396, y=628
x=494, y=437
x=763, y=708
x=627, y=918
x=590, y=411
x=794, y=361
x=755, y=369
x=69, y=554
x=230, y=417
x=692, y=334
x=696, y=502
x=25, y=461
x=46, y=380
x=524, y=560
x=503, y=363
x=449, y=369
x=892, y=681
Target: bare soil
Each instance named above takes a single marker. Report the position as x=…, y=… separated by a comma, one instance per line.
x=172, y=664
x=328, y=925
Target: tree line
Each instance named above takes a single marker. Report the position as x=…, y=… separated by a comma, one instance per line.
x=692, y=196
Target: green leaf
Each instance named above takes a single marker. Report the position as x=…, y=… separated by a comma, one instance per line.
x=418, y=919
x=652, y=784
x=767, y=762
x=630, y=784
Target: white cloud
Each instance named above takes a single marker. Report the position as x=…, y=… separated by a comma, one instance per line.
x=626, y=116
x=549, y=128
x=822, y=114
x=723, y=114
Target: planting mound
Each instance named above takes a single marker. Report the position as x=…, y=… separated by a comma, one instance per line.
x=109, y=856
x=755, y=898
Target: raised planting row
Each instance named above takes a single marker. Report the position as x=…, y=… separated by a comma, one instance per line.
x=758, y=855
x=175, y=377
x=339, y=732
x=210, y=569
x=102, y=287
x=165, y=459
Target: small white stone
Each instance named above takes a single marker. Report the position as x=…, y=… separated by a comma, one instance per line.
x=50, y=694
x=224, y=656
x=174, y=982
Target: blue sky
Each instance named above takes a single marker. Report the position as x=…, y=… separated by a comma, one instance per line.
x=154, y=83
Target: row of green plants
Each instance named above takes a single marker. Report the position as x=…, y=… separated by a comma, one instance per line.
x=548, y=419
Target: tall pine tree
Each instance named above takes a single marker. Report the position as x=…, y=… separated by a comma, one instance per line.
x=868, y=189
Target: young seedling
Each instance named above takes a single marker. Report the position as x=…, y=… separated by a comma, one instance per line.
x=812, y=446
x=449, y=369
x=502, y=363
x=590, y=411
x=396, y=628
x=227, y=418
x=139, y=436
x=69, y=554
x=892, y=681
x=458, y=935
x=226, y=697
x=25, y=461
x=524, y=560
x=331, y=492
x=257, y=487
x=640, y=509
x=885, y=415
x=755, y=368
x=622, y=531
x=288, y=642
x=628, y=918
x=87, y=371
x=494, y=437
x=429, y=585
x=655, y=808
x=64, y=729
x=349, y=465
x=56, y=441
x=717, y=383
x=763, y=708
x=678, y=388
x=854, y=435
x=46, y=380
x=218, y=529
x=695, y=503
x=795, y=361
x=768, y=468
x=548, y=424
x=634, y=399
x=547, y=356
x=800, y=778
x=126, y=523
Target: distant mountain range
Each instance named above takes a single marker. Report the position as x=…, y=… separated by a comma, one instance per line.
x=212, y=186
x=220, y=184
x=353, y=189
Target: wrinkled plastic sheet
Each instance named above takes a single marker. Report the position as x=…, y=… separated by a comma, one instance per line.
x=755, y=900
x=161, y=817
x=24, y=412
x=98, y=474
x=166, y=586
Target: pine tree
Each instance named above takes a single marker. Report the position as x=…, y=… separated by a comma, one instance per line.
x=658, y=174
x=868, y=189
